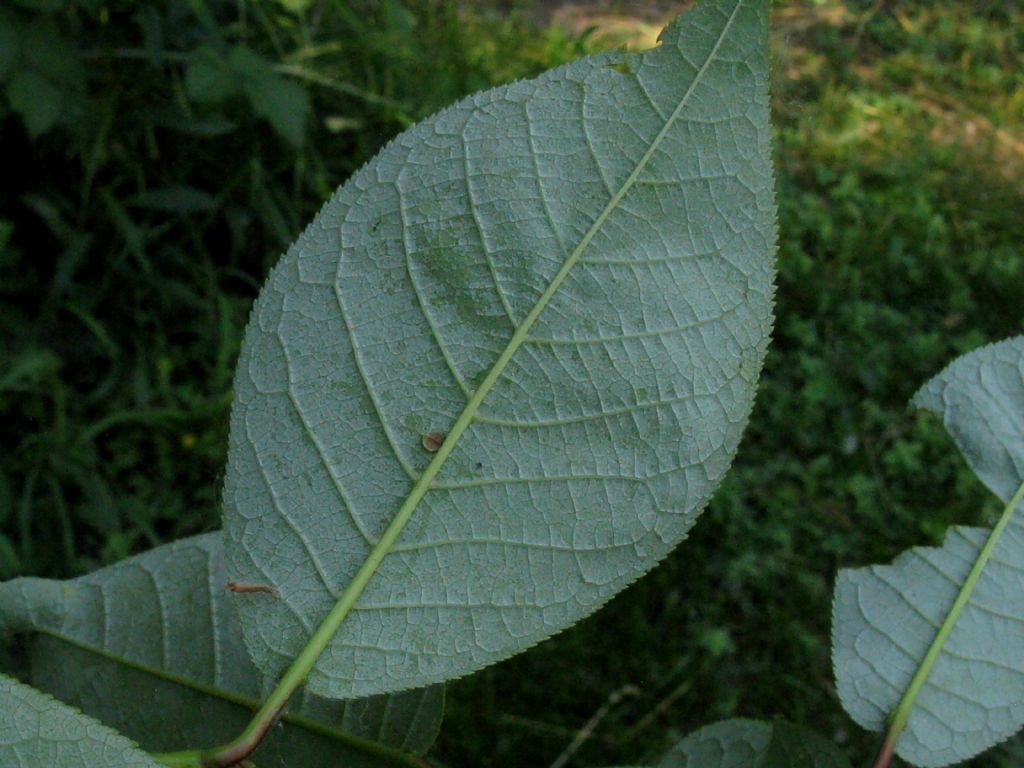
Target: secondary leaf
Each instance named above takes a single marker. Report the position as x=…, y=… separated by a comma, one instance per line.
x=36, y=99
x=36, y=731
x=980, y=399
x=283, y=103
x=754, y=744
x=934, y=643
x=45, y=76
x=152, y=647
x=570, y=280
x=208, y=78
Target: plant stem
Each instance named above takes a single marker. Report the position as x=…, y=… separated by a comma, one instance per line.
x=218, y=756
x=900, y=717
x=886, y=751
x=203, y=758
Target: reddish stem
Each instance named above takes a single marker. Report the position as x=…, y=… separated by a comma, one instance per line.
x=885, y=753
x=238, y=751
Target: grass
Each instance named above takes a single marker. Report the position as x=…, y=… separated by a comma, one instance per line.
x=135, y=232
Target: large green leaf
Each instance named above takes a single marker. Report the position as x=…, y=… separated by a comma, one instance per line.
x=567, y=279
x=934, y=643
x=36, y=731
x=754, y=744
x=152, y=647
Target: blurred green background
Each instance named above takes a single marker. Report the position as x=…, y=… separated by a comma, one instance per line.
x=156, y=158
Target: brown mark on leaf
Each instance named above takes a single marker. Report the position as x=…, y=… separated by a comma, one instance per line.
x=432, y=442
x=242, y=586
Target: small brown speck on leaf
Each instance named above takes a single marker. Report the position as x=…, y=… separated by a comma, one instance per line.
x=241, y=586
x=432, y=441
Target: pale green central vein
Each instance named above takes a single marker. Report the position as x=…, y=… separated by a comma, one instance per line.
x=297, y=673
x=901, y=715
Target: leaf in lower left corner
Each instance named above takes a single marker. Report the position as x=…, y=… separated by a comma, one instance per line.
x=152, y=647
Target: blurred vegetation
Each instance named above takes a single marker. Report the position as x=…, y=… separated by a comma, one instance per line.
x=158, y=156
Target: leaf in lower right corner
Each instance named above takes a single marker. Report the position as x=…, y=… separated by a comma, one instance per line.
x=37, y=731
x=754, y=744
x=151, y=646
x=886, y=618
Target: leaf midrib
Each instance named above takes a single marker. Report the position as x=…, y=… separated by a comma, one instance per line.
x=901, y=715
x=346, y=602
